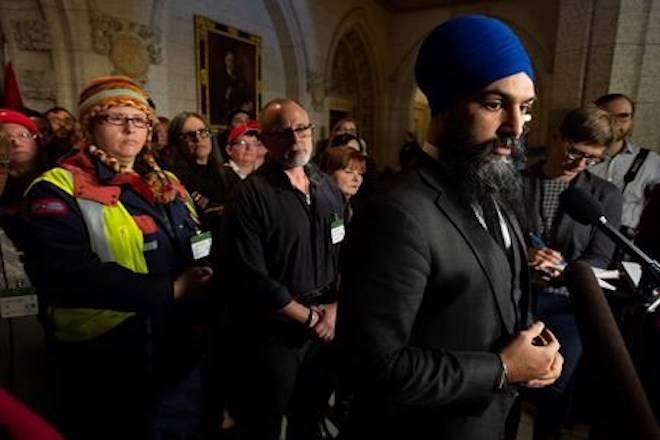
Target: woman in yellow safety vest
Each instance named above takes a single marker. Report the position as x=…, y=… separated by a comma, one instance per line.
x=116, y=252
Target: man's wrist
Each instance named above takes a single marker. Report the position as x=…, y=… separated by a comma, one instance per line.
x=503, y=380
x=312, y=318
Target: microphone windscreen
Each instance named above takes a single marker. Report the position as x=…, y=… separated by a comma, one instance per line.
x=580, y=205
x=623, y=403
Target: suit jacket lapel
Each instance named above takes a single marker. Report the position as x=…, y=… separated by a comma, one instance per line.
x=488, y=253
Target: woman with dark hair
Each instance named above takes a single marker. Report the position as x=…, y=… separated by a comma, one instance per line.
x=346, y=140
x=347, y=137
x=197, y=162
x=345, y=125
x=160, y=144
x=346, y=166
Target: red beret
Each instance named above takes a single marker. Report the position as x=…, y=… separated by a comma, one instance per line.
x=13, y=117
x=252, y=127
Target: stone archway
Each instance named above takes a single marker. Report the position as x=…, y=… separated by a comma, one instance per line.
x=352, y=82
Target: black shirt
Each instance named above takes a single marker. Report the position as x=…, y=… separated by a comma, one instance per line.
x=203, y=179
x=205, y=185
x=229, y=178
x=278, y=247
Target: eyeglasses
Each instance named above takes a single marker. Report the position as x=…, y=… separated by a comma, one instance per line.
x=302, y=132
x=574, y=154
x=352, y=131
x=20, y=136
x=623, y=116
x=195, y=135
x=121, y=120
x=65, y=120
x=243, y=143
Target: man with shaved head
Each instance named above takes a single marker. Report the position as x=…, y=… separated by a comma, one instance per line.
x=284, y=229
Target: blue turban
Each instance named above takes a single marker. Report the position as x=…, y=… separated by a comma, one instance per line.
x=465, y=54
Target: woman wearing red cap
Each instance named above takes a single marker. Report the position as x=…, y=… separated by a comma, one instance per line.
x=114, y=240
x=20, y=156
x=21, y=160
x=243, y=150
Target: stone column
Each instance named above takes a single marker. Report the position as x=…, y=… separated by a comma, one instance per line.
x=609, y=46
x=645, y=69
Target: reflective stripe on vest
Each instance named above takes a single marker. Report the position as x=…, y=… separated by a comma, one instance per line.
x=75, y=325
x=114, y=237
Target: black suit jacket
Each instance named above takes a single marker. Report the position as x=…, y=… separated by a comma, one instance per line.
x=572, y=239
x=426, y=301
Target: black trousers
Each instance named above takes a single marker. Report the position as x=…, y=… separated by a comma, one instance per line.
x=103, y=386
x=110, y=388
x=284, y=371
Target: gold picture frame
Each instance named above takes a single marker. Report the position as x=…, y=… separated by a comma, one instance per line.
x=228, y=71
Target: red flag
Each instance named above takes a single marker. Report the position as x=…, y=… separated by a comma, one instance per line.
x=12, y=94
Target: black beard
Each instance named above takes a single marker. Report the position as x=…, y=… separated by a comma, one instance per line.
x=480, y=174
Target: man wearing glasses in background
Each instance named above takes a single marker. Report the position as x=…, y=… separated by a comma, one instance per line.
x=555, y=239
x=634, y=170
x=284, y=227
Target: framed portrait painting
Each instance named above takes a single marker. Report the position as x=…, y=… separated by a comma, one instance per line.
x=228, y=71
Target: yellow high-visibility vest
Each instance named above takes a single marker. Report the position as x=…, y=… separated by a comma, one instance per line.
x=114, y=237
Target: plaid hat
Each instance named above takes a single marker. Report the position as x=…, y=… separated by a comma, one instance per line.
x=109, y=91
x=252, y=127
x=13, y=117
x=465, y=54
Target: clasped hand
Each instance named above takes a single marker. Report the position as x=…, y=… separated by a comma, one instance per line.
x=532, y=358
x=325, y=326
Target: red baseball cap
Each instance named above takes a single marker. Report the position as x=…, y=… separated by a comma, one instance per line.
x=252, y=127
x=13, y=117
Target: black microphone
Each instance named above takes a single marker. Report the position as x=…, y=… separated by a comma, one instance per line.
x=626, y=412
x=583, y=208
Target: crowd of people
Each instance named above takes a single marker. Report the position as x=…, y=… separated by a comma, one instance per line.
x=195, y=284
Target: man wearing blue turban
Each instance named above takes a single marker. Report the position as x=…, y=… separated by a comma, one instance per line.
x=432, y=317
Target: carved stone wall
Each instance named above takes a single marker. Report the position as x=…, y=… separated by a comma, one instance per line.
x=37, y=85
x=131, y=46
x=32, y=35
x=28, y=44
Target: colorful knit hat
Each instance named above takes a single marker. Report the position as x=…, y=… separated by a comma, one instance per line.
x=109, y=91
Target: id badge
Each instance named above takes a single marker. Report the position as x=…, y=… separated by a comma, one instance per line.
x=201, y=245
x=15, y=303
x=337, y=230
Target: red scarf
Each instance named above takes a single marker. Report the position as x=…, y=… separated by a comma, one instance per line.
x=155, y=186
